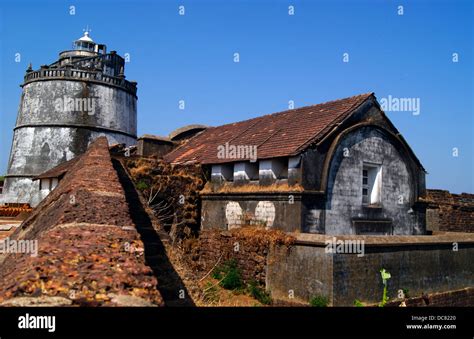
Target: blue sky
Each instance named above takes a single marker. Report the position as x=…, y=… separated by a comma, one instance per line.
x=282, y=58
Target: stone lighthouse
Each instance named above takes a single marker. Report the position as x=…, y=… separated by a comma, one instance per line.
x=63, y=107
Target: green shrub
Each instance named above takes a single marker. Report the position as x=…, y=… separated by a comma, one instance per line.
x=358, y=303
x=229, y=275
x=259, y=293
x=319, y=301
x=142, y=185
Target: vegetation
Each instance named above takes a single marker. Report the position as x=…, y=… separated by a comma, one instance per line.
x=358, y=303
x=385, y=276
x=229, y=275
x=211, y=293
x=259, y=293
x=319, y=301
x=142, y=185
x=171, y=191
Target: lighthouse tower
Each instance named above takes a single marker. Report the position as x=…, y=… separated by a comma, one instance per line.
x=63, y=107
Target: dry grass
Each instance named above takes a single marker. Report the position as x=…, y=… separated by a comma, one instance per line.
x=264, y=236
x=252, y=188
x=214, y=295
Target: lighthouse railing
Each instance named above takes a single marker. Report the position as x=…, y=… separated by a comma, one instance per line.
x=71, y=73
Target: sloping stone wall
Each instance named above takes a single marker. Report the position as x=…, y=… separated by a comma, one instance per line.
x=89, y=251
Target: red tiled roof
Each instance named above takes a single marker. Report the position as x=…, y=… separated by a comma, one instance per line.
x=57, y=171
x=275, y=135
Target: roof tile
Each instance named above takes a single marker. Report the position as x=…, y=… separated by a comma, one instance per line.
x=275, y=135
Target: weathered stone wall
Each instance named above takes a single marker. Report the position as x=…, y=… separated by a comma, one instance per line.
x=344, y=188
x=450, y=212
x=456, y=298
x=296, y=270
x=25, y=159
x=420, y=269
x=57, y=120
x=248, y=246
x=46, y=102
x=270, y=211
x=298, y=273
x=421, y=264
x=313, y=209
x=150, y=147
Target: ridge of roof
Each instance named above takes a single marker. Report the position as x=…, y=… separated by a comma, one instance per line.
x=367, y=94
x=272, y=134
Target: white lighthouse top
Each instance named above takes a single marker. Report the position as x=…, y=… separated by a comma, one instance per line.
x=85, y=43
x=86, y=37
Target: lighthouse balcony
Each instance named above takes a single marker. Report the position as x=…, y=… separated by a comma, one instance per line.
x=81, y=75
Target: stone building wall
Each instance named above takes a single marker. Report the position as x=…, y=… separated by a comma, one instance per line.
x=296, y=268
x=152, y=147
x=450, y=212
x=330, y=186
x=344, y=188
x=272, y=211
x=420, y=264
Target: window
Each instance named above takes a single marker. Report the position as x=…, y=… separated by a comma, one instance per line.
x=245, y=171
x=273, y=169
x=371, y=184
x=365, y=186
x=46, y=184
x=223, y=172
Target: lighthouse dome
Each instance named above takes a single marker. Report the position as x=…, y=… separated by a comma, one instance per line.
x=84, y=43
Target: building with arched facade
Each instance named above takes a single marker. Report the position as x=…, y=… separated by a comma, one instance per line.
x=340, y=167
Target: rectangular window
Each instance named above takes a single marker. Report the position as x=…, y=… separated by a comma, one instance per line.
x=222, y=172
x=45, y=184
x=371, y=184
x=365, y=186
